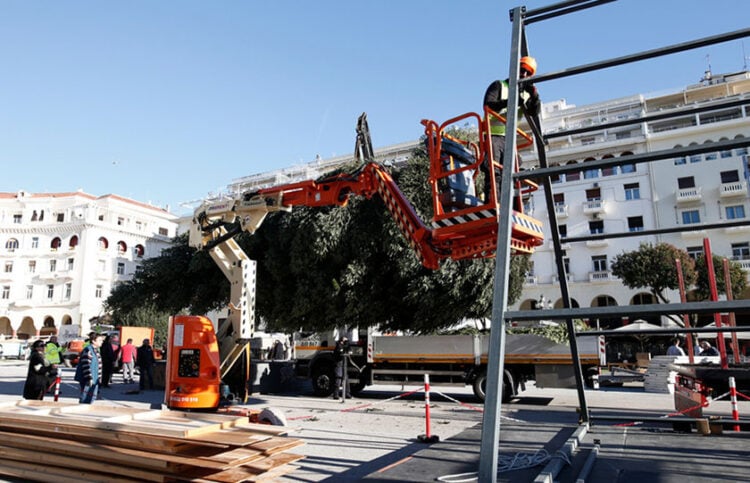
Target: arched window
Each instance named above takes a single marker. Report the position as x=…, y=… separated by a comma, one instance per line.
x=610, y=171
x=103, y=243
x=710, y=156
x=139, y=251
x=572, y=175
x=740, y=151
x=682, y=159
x=122, y=247
x=56, y=242
x=73, y=242
x=627, y=168
x=11, y=245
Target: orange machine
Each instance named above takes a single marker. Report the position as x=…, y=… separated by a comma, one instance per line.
x=193, y=380
x=210, y=366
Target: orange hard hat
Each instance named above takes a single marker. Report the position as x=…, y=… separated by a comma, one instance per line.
x=529, y=63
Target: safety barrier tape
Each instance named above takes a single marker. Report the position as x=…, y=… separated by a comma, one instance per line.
x=474, y=408
x=360, y=406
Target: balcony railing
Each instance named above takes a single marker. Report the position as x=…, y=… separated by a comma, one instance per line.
x=561, y=210
x=602, y=242
x=728, y=190
x=531, y=280
x=603, y=276
x=685, y=195
x=744, y=263
x=593, y=206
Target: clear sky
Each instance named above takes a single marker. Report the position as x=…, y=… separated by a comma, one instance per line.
x=168, y=101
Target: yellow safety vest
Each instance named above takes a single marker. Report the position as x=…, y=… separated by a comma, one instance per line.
x=497, y=127
x=52, y=353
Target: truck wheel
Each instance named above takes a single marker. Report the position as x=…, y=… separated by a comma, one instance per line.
x=588, y=379
x=480, y=387
x=323, y=379
x=358, y=387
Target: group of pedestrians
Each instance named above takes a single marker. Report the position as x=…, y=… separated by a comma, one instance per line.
x=703, y=349
x=96, y=364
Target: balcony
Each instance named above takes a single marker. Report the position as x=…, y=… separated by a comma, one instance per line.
x=686, y=195
x=744, y=263
x=561, y=210
x=556, y=279
x=604, y=276
x=531, y=280
x=591, y=207
x=688, y=235
x=729, y=190
x=602, y=242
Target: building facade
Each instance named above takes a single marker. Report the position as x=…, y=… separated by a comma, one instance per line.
x=668, y=193
x=62, y=253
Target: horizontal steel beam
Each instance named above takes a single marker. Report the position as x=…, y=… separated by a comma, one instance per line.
x=632, y=311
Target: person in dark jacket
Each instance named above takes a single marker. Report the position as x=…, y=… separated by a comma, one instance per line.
x=708, y=350
x=340, y=352
x=89, y=370
x=40, y=373
x=108, y=361
x=145, y=359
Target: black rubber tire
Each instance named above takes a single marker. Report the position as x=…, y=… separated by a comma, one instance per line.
x=588, y=377
x=480, y=385
x=323, y=378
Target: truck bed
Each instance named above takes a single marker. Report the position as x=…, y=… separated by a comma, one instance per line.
x=469, y=349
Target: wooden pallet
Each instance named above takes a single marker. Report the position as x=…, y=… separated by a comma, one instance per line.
x=46, y=441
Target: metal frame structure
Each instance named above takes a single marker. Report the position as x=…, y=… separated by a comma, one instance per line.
x=520, y=17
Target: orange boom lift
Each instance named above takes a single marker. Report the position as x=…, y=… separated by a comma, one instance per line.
x=208, y=367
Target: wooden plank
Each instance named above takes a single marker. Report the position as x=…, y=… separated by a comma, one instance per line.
x=132, y=440
x=276, y=445
x=230, y=436
x=169, y=423
x=231, y=457
x=274, y=474
x=52, y=460
x=45, y=473
x=272, y=461
x=165, y=463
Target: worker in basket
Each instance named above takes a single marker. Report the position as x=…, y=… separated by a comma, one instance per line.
x=496, y=98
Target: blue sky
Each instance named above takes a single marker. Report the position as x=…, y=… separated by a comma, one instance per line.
x=169, y=101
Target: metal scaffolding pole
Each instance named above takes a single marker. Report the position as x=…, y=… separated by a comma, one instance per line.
x=488, y=454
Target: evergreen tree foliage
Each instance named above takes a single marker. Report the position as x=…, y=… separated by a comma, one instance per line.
x=320, y=268
x=736, y=276
x=653, y=267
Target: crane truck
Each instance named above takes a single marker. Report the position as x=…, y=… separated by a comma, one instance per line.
x=208, y=366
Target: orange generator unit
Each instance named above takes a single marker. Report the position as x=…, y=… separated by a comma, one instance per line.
x=194, y=366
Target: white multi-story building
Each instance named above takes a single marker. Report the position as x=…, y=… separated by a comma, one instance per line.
x=670, y=193
x=61, y=254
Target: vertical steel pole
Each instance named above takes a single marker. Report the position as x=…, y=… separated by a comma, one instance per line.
x=732, y=320
x=488, y=454
x=714, y=297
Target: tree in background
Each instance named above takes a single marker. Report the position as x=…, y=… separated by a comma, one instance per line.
x=321, y=268
x=736, y=276
x=653, y=267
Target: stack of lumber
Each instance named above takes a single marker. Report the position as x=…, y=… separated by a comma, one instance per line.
x=659, y=376
x=62, y=442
